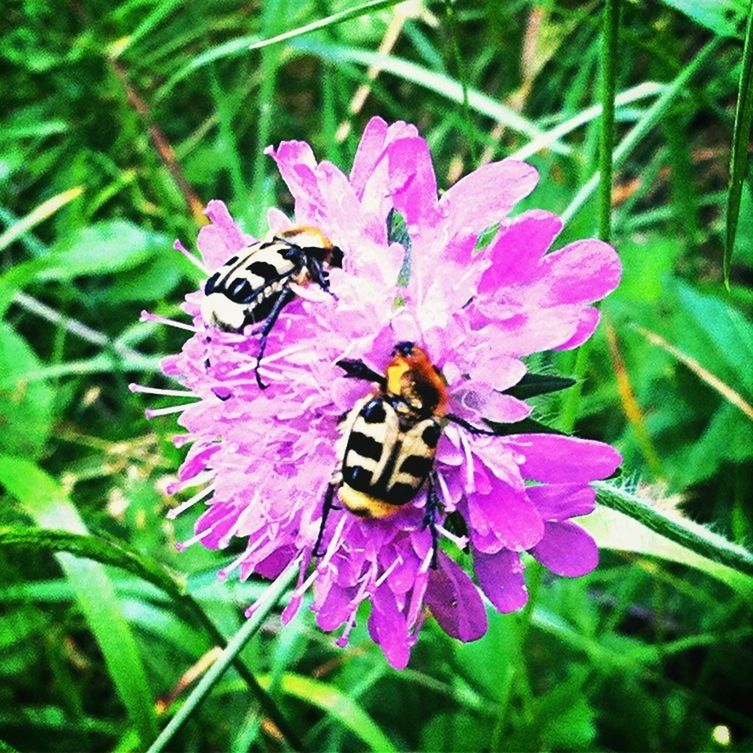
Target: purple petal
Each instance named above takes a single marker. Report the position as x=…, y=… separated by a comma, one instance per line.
x=558, y=502
x=581, y=272
x=297, y=166
x=567, y=549
x=504, y=518
x=335, y=609
x=455, y=601
x=563, y=460
x=485, y=197
x=412, y=181
x=388, y=628
x=222, y=238
x=501, y=578
x=518, y=248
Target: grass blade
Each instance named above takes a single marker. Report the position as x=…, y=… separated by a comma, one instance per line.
x=643, y=126
x=47, y=503
x=323, y=23
x=338, y=705
x=740, y=139
x=439, y=83
x=262, y=608
x=38, y=214
x=610, y=37
x=110, y=552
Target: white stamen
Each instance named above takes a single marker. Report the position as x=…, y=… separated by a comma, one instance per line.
x=427, y=562
x=183, y=506
x=445, y=491
x=386, y=574
x=178, y=246
x=460, y=541
x=469, y=465
x=223, y=573
x=133, y=387
x=182, y=545
x=154, y=412
x=197, y=480
x=147, y=316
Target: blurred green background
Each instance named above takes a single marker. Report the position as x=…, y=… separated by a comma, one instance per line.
x=120, y=120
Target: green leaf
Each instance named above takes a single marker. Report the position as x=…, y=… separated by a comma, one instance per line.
x=25, y=408
x=47, y=503
x=103, y=248
x=724, y=17
x=740, y=139
x=533, y=385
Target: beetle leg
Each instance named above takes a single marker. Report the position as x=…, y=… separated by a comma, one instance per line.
x=286, y=295
x=357, y=369
x=469, y=427
x=430, y=516
x=318, y=275
x=328, y=505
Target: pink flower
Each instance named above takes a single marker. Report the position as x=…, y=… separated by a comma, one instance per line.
x=262, y=460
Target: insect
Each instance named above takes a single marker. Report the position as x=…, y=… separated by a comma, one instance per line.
x=389, y=439
x=255, y=285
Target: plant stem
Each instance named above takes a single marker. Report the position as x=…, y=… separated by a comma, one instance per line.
x=263, y=607
x=681, y=530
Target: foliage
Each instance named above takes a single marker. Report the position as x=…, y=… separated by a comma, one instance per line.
x=121, y=120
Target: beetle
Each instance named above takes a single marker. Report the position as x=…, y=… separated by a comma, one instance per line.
x=388, y=440
x=255, y=285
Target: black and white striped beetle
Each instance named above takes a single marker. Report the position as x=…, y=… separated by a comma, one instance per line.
x=388, y=440
x=255, y=285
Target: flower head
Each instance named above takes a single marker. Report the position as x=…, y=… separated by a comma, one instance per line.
x=264, y=460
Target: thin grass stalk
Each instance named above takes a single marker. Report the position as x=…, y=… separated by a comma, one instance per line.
x=674, y=527
x=740, y=137
x=236, y=644
x=610, y=39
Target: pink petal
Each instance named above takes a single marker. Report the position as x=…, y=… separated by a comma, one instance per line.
x=588, y=322
x=558, y=502
x=222, y=238
x=335, y=609
x=369, y=152
x=498, y=370
x=455, y=601
x=518, y=248
x=297, y=164
x=581, y=272
x=532, y=331
x=500, y=576
x=412, y=181
x=563, y=460
x=474, y=401
x=567, y=549
x=486, y=196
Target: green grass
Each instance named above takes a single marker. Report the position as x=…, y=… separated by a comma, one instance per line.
x=120, y=120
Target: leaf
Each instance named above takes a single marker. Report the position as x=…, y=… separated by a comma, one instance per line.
x=740, y=138
x=532, y=385
x=103, y=248
x=25, y=408
x=724, y=17
x=47, y=503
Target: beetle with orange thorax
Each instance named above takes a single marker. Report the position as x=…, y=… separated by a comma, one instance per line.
x=388, y=440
